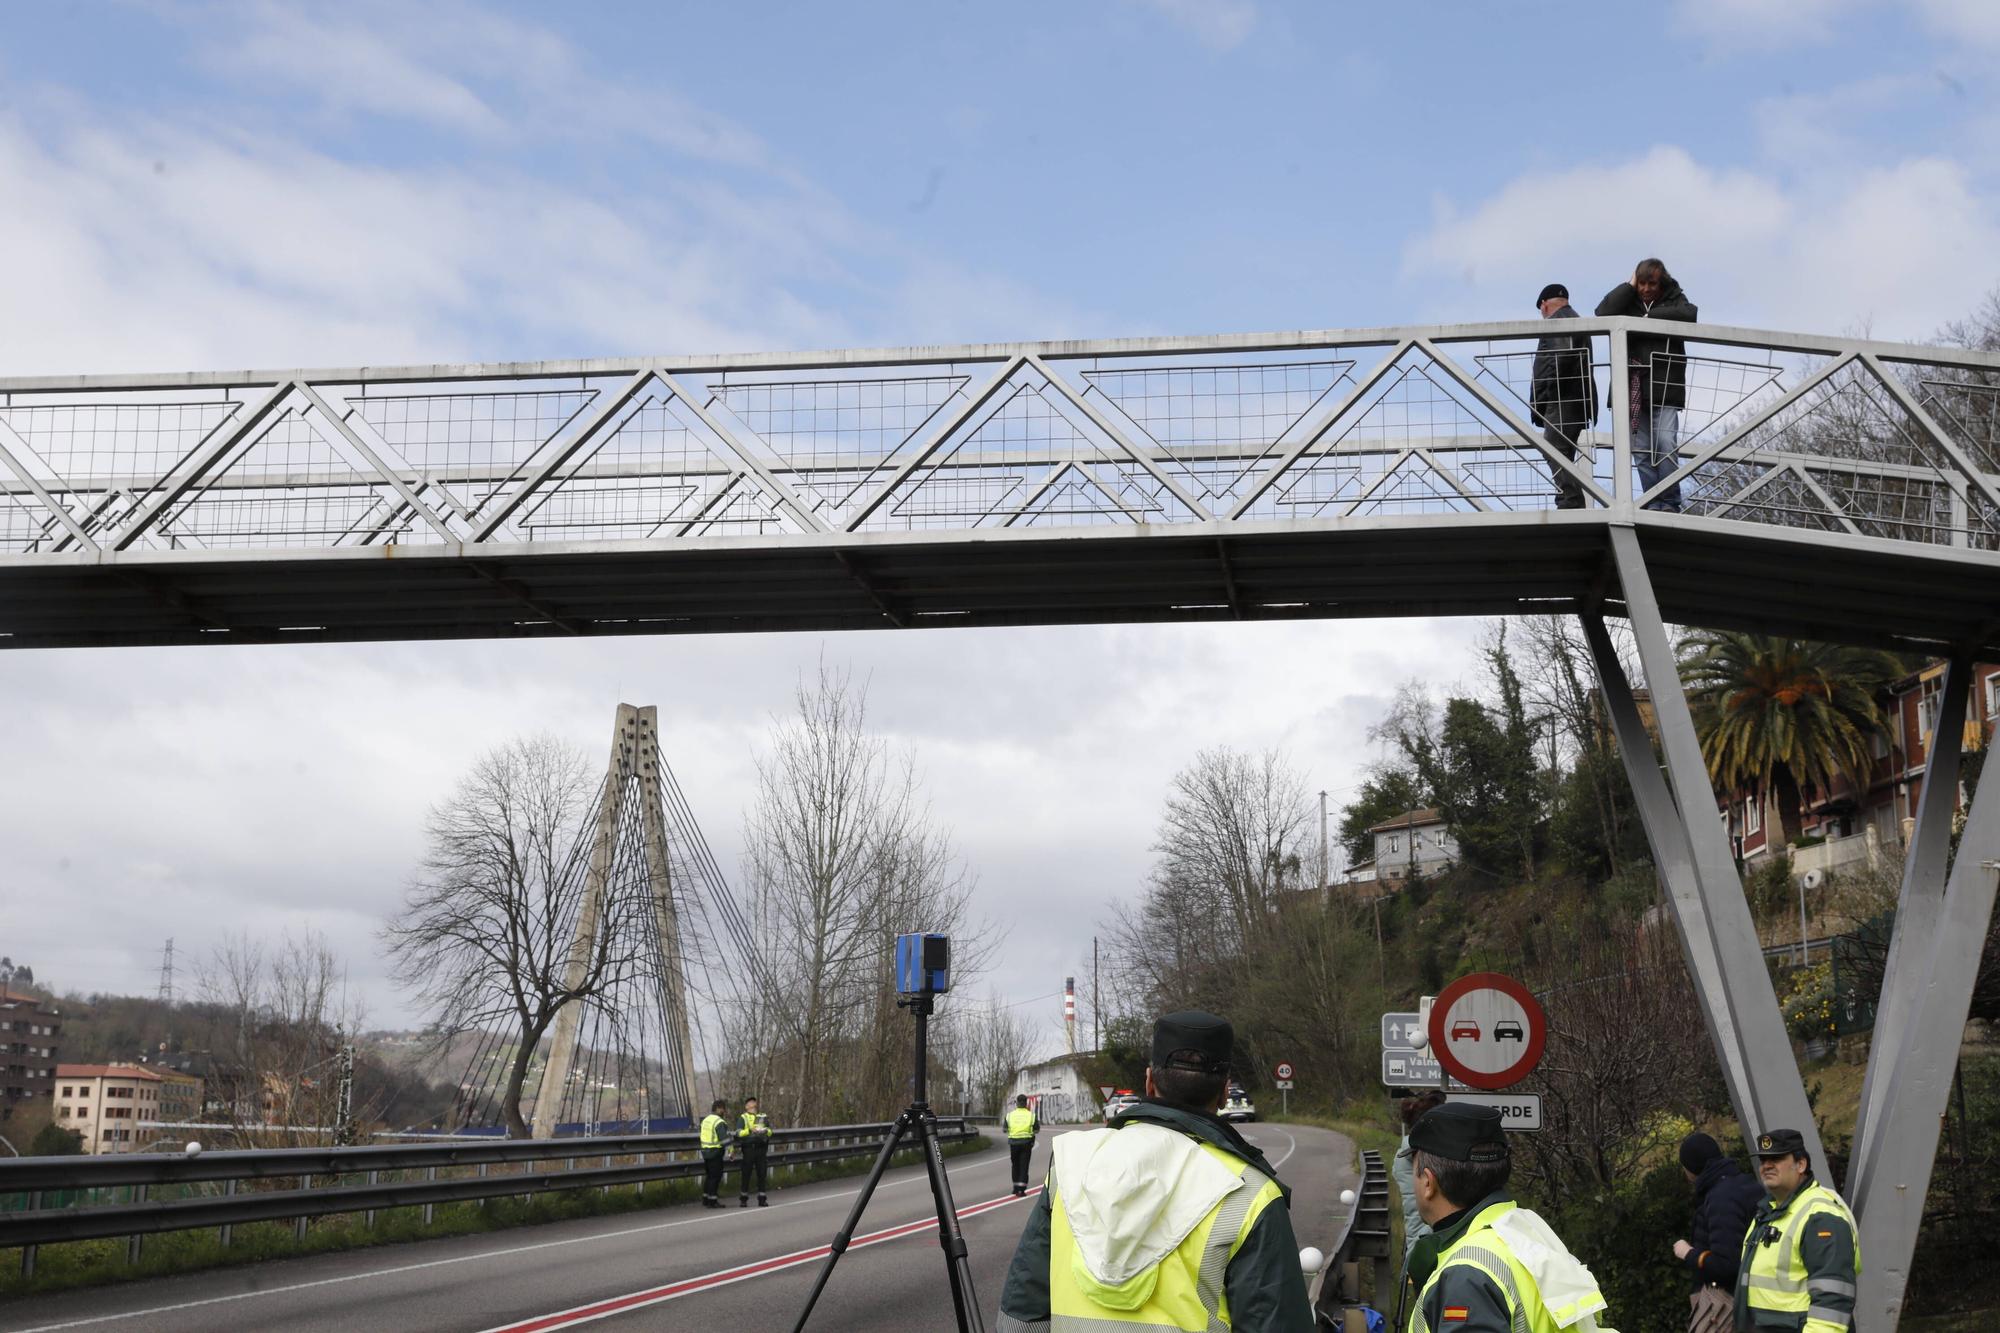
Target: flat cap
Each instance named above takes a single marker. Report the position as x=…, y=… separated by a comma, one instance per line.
x=1779, y=1143
x=1461, y=1132
x=1192, y=1039
x=1553, y=289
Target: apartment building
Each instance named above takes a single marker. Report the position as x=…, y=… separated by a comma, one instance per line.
x=30, y=1034
x=109, y=1106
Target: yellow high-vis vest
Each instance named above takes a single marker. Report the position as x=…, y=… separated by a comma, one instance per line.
x=753, y=1124
x=711, y=1130
x=1481, y=1247
x=1183, y=1291
x=1773, y=1277
x=1020, y=1123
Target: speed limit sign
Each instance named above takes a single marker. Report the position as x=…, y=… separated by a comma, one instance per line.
x=1284, y=1069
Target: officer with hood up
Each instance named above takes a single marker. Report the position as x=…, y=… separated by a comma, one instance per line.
x=1167, y=1219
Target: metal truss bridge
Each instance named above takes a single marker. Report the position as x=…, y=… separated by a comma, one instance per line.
x=1833, y=488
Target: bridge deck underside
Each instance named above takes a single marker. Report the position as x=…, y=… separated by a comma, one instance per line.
x=1707, y=573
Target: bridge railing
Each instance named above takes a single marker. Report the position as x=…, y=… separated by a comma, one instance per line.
x=1365, y=1236
x=1841, y=435
x=76, y=1198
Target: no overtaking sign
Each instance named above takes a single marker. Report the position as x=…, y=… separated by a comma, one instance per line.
x=1487, y=1030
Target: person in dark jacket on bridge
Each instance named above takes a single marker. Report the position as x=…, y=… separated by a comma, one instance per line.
x=1563, y=396
x=1656, y=383
x=1725, y=1199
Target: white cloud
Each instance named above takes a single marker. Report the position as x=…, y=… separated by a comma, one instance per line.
x=1900, y=248
x=1763, y=23
x=1220, y=25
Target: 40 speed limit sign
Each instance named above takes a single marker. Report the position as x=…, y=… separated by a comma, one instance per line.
x=1283, y=1069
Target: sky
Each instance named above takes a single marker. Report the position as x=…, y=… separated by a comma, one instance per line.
x=215, y=186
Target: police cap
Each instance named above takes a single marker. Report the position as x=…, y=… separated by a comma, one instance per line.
x=1193, y=1040
x=1461, y=1132
x=1779, y=1143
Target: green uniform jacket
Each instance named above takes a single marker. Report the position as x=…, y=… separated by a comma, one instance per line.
x=1265, y=1288
x=1826, y=1251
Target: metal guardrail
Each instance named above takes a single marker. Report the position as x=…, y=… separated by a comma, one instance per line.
x=678, y=1157
x=1366, y=1236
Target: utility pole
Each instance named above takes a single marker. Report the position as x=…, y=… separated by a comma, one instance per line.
x=1096, y=1021
x=167, y=972
x=343, y=1111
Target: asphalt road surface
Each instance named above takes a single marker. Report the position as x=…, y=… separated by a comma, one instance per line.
x=735, y=1271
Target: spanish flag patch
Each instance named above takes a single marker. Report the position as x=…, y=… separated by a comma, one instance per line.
x=1826, y=1235
x=1454, y=1314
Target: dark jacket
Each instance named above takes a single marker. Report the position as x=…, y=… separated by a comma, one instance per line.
x=1564, y=392
x=1263, y=1284
x=1660, y=357
x=1726, y=1197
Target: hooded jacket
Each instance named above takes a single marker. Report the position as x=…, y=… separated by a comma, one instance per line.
x=1726, y=1197
x=1661, y=358
x=1129, y=1202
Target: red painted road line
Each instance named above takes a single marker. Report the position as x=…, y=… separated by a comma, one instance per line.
x=583, y=1314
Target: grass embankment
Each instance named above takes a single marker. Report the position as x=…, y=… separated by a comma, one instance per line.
x=1368, y=1131
x=86, y=1263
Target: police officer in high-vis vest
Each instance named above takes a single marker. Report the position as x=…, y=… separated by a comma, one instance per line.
x=1021, y=1127
x=1801, y=1257
x=1489, y=1265
x=753, y=1141
x=1167, y=1219
x=715, y=1138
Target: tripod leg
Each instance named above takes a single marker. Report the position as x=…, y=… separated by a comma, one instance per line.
x=839, y=1245
x=950, y=1239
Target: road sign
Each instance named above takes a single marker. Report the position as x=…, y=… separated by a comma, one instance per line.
x=1407, y=1069
x=1518, y=1110
x=1399, y=1031
x=1487, y=1030
x=1106, y=1089
x=1284, y=1084
x=1284, y=1069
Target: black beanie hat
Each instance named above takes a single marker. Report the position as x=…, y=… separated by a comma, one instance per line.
x=1698, y=1150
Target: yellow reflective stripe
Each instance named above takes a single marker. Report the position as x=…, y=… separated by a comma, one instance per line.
x=1222, y=1240
x=1495, y=1266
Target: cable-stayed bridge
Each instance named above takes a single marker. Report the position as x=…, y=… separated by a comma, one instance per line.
x=1835, y=488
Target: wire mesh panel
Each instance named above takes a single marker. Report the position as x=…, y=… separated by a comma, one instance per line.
x=293, y=483
x=470, y=448
x=652, y=473
x=838, y=441
x=1216, y=428
x=1030, y=459
x=97, y=460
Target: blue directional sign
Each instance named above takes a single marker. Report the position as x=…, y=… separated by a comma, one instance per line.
x=1399, y=1031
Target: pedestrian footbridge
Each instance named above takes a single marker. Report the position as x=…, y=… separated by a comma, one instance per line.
x=1834, y=488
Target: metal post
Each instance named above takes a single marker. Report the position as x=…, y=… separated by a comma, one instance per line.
x=1706, y=893
x=1621, y=424
x=368, y=1218
x=28, y=1251
x=430, y=1209
x=1917, y=912
x=562, y=1046
x=228, y=1236
x=666, y=917
x=1804, y=958
x=136, y=1242
x=1889, y=1187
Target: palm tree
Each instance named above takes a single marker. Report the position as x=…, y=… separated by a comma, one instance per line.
x=1783, y=715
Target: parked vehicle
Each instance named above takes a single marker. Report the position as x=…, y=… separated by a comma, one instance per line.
x=1115, y=1104
x=1237, y=1105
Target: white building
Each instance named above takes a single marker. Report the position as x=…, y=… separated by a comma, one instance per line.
x=107, y=1104
x=1416, y=842
x=1057, y=1091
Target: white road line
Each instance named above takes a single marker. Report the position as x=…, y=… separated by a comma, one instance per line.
x=1291, y=1146
x=918, y=1178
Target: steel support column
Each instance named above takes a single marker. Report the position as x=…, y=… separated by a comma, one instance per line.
x=1743, y=1005
x=1933, y=990
x=562, y=1047
x=666, y=915
x=1673, y=858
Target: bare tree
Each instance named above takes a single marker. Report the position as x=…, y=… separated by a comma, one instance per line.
x=290, y=1011
x=842, y=854
x=1234, y=833
x=487, y=934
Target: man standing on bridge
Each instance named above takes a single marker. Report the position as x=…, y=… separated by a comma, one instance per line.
x=715, y=1138
x=1562, y=399
x=1167, y=1219
x=1489, y=1265
x=753, y=1140
x=1801, y=1260
x=1021, y=1127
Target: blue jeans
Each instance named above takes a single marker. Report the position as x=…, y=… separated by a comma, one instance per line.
x=1656, y=438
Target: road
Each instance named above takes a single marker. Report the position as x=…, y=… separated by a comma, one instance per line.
x=742, y=1271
